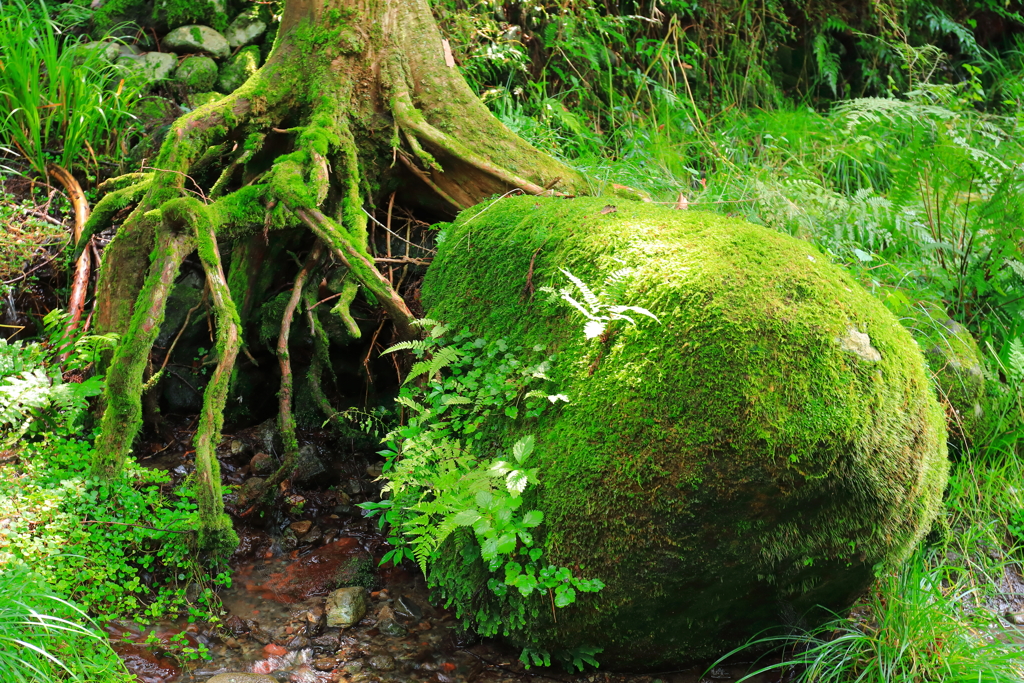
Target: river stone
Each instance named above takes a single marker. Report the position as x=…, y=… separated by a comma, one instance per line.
x=153, y=67
x=107, y=50
x=242, y=678
x=238, y=69
x=196, y=38
x=956, y=365
x=196, y=73
x=246, y=28
x=346, y=606
x=767, y=445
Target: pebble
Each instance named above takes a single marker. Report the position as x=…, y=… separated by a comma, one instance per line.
x=302, y=527
x=1015, y=618
x=346, y=606
x=275, y=649
x=324, y=664
x=241, y=678
x=382, y=662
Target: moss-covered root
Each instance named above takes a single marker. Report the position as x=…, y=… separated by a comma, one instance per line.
x=122, y=416
x=286, y=420
x=362, y=268
x=216, y=534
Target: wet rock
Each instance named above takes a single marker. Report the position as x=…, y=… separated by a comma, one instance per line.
x=250, y=489
x=324, y=664
x=313, y=574
x=314, y=535
x=146, y=666
x=252, y=544
x=261, y=636
x=152, y=67
x=262, y=464
x=375, y=470
x=298, y=643
x=346, y=606
x=328, y=641
x=289, y=541
x=353, y=667
x=238, y=69
x=185, y=39
x=392, y=628
x=241, y=678
x=245, y=29
x=308, y=465
x=237, y=448
x=354, y=487
x=275, y=649
x=268, y=436
x=382, y=662
x=304, y=674
x=358, y=570
x=197, y=74
x=302, y=527
x=405, y=607
x=314, y=620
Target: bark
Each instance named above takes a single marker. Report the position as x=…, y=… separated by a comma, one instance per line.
x=355, y=100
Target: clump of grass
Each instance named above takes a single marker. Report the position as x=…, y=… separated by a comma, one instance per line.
x=45, y=638
x=62, y=102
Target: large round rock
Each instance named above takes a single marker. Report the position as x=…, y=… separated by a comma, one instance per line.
x=768, y=446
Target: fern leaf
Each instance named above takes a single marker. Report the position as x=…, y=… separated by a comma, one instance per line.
x=588, y=295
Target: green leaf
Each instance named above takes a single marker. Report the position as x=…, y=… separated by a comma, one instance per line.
x=512, y=412
x=466, y=517
x=533, y=518
x=564, y=596
x=522, y=448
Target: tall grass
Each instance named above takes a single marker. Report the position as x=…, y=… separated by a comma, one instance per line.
x=60, y=102
x=44, y=638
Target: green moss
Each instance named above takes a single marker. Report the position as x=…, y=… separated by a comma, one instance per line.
x=196, y=74
x=955, y=362
x=722, y=471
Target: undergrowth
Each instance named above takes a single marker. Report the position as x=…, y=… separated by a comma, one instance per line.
x=45, y=638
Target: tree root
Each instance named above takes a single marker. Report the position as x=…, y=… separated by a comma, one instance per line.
x=286, y=419
x=122, y=416
x=216, y=533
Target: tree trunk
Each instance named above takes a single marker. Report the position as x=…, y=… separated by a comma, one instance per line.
x=358, y=97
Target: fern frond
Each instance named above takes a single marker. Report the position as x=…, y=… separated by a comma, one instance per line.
x=414, y=345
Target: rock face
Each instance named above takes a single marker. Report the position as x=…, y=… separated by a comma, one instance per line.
x=194, y=38
x=758, y=452
x=346, y=606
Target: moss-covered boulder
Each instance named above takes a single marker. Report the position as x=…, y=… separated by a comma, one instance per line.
x=768, y=446
x=956, y=364
x=196, y=73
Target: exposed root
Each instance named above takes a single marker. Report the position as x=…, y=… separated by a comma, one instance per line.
x=414, y=125
x=363, y=269
x=83, y=265
x=122, y=416
x=286, y=420
x=428, y=182
x=216, y=533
